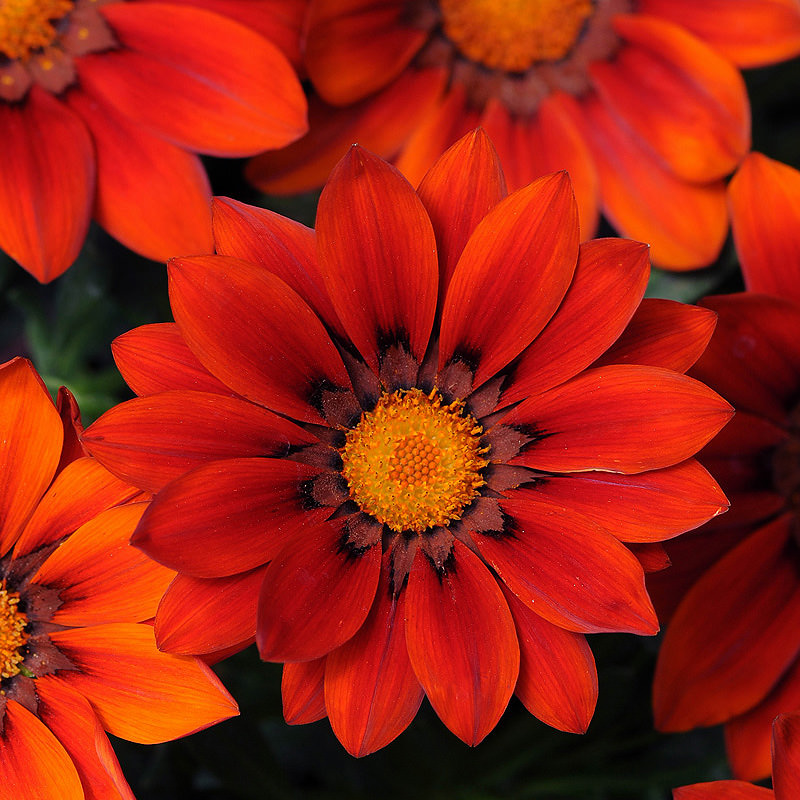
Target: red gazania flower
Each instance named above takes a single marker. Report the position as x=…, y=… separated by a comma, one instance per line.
x=731, y=652
x=404, y=452
x=785, y=771
x=641, y=100
x=76, y=659
x=104, y=105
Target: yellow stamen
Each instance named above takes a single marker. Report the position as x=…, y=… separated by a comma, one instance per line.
x=13, y=635
x=413, y=462
x=27, y=25
x=512, y=35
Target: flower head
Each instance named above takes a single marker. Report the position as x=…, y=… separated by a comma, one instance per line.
x=640, y=100
x=104, y=105
x=729, y=654
x=76, y=655
x=406, y=451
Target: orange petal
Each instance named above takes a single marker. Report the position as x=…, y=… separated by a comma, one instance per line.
x=608, y=284
x=557, y=676
x=67, y=407
x=377, y=251
x=511, y=277
x=461, y=642
x=620, y=419
x=766, y=235
x=786, y=757
x=677, y=95
x=303, y=691
x=30, y=445
x=33, y=763
x=722, y=790
x=46, y=184
x=278, y=358
x=138, y=692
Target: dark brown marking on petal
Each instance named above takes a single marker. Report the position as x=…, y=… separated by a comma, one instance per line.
x=494, y=522
x=507, y=441
x=360, y=532
x=23, y=691
x=403, y=548
x=337, y=405
x=316, y=455
x=484, y=514
x=327, y=489
x=500, y=477
x=20, y=570
x=44, y=657
x=483, y=401
x=365, y=382
x=455, y=380
x=437, y=544
x=88, y=32
x=40, y=602
x=426, y=377
x=398, y=368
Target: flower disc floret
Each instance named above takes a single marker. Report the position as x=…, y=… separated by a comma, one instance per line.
x=414, y=462
x=13, y=633
x=27, y=25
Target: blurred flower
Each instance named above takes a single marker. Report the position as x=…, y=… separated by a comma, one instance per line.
x=437, y=498
x=104, y=105
x=730, y=653
x=785, y=771
x=75, y=658
x=641, y=100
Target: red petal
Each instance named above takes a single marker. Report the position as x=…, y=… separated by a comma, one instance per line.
x=663, y=333
x=511, y=277
x=153, y=440
x=458, y=191
x=67, y=407
x=46, y=184
x=378, y=254
x=766, y=238
x=786, y=757
x=726, y=647
x=722, y=790
x=198, y=616
x=218, y=88
x=371, y=692
x=652, y=556
x=277, y=358
x=557, y=676
x=303, y=691
x=569, y=570
x=608, y=284
x=229, y=516
x=30, y=445
x=677, y=94
x=316, y=595
x=461, y=642
x=33, y=763
x=647, y=507
x=72, y=719
x=155, y=358
x=139, y=693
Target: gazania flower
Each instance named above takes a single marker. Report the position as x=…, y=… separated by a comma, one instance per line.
x=641, y=100
x=381, y=449
x=76, y=659
x=104, y=105
x=785, y=771
x=731, y=652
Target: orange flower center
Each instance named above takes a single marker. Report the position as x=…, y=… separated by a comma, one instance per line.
x=27, y=25
x=13, y=635
x=412, y=462
x=512, y=35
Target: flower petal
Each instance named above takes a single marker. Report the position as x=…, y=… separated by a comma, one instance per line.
x=229, y=516
x=218, y=88
x=46, y=184
x=317, y=593
x=566, y=568
x=722, y=790
x=726, y=647
x=767, y=239
x=511, y=277
x=138, y=692
x=461, y=642
x=303, y=691
x=153, y=440
x=378, y=254
x=33, y=763
x=620, y=419
x=786, y=757
x=608, y=284
x=371, y=692
x=283, y=359
x=198, y=616
x=30, y=445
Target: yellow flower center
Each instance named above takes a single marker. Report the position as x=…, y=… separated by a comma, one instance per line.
x=27, y=25
x=413, y=462
x=512, y=35
x=13, y=635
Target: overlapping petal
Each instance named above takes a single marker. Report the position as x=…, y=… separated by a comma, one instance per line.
x=303, y=691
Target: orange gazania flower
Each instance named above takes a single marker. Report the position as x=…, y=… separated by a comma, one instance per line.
x=641, y=100
x=400, y=452
x=75, y=658
x=785, y=771
x=730, y=653
x=104, y=105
